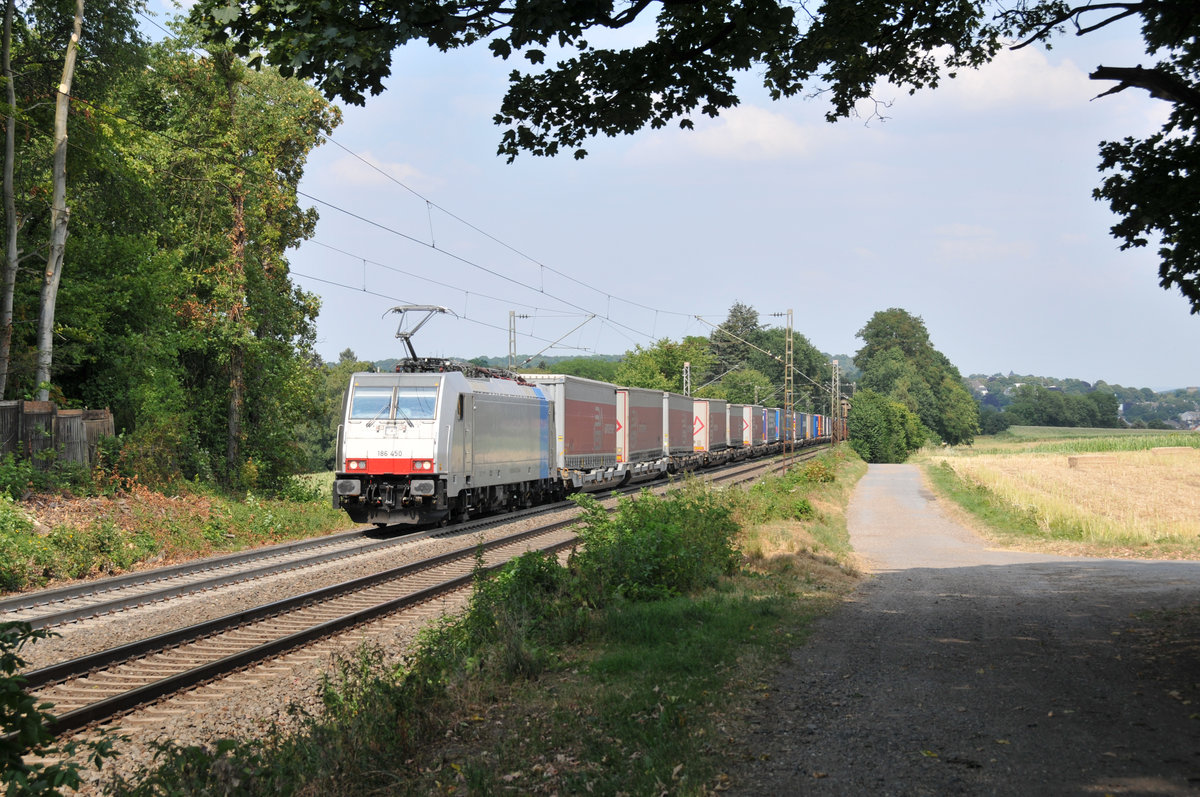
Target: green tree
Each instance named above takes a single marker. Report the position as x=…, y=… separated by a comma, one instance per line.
x=992, y=421
x=731, y=340
x=318, y=437
x=660, y=367
x=748, y=386
x=960, y=413
x=882, y=430
x=589, y=368
x=893, y=374
x=687, y=63
x=1035, y=405
x=898, y=360
x=38, y=37
x=227, y=147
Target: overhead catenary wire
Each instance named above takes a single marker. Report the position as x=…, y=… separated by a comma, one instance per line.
x=409, y=301
x=430, y=205
x=379, y=225
x=613, y=324
x=775, y=357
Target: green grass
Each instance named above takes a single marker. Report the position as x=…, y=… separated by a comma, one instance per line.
x=1060, y=440
x=1007, y=522
x=123, y=532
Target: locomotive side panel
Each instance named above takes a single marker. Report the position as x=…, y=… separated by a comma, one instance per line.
x=510, y=439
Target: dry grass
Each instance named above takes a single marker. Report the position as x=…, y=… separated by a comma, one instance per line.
x=1123, y=498
x=816, y=550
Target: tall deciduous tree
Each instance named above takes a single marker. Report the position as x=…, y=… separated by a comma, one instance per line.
x=60, y=214
x=38, y=34
x=232, y=147
x=12, y=223
x=899, y=361
x=883, y=430
x=687, y=60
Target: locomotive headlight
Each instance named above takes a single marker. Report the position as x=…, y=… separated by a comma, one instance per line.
x=356, y=464
x=422, y=464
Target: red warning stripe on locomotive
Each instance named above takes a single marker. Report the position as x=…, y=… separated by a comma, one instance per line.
x=379, y=465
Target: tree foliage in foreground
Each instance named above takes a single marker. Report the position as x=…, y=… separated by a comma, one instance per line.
x=687, y=60
x=176, y=308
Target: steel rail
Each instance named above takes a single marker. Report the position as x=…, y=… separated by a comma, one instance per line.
x=31, y=600
x=82, y=665
x=118, y=603
x=104, y=709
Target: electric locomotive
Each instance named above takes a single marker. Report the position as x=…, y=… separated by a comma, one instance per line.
x=432, y=446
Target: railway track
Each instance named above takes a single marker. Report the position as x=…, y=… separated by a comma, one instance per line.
x=49, y=608
x=94, y=688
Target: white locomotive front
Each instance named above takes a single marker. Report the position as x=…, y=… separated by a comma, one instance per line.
x=427, y=447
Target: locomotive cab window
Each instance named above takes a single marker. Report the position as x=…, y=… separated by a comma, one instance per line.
x=371, y=402
x=416, y=403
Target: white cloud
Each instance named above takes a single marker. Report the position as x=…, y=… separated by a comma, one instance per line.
x=1025, y=79
x=352, y=172
x=744, y=133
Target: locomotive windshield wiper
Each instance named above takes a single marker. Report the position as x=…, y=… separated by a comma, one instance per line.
x=400, y=411
x=386, y=407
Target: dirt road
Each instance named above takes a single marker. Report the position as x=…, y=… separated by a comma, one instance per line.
x=956, y=669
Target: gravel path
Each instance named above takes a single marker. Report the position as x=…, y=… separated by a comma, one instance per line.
x=955, y=669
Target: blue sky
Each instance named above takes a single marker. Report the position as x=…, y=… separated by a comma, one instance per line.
x=970, y=206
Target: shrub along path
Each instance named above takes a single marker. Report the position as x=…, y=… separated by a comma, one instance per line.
x=961, y=670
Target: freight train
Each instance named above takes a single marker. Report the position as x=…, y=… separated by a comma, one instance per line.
x=438, y=441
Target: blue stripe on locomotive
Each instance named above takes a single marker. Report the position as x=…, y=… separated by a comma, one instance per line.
x=543, y=433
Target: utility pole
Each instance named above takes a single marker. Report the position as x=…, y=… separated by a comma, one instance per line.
x=687, y=379
x=835, y=402
x=789, y=395
x=512, y=338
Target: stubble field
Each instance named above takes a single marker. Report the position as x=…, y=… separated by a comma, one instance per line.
x=1100, y=492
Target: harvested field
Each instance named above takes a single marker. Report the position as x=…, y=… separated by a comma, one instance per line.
x=1118, y=498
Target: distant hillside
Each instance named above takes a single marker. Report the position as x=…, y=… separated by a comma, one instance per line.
x=1174, y=408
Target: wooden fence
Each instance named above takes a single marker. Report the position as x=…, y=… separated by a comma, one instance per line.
x=27, y=428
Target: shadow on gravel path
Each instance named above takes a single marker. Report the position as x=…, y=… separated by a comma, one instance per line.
x=955, y=669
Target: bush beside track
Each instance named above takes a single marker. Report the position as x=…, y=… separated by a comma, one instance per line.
x=624, y=669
